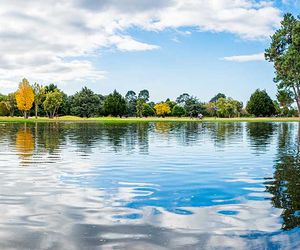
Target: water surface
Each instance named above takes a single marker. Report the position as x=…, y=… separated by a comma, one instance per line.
x=150, y=186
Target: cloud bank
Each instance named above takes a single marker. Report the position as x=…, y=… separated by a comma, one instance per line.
x=54, y=40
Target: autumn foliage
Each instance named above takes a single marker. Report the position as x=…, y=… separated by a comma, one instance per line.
x=162, y=109
x=24, y=97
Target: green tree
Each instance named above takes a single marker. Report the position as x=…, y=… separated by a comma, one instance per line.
x=284, y=52
x=4, y=108
x=131, y=101
x=211, y=108
x=114, y=104
x=65, y=107
x=217, y=96
x=182, y=98
x=11, y=99
x=260, y=104
x=178, y=111
x=285, y=100
x=140, y=107
x=144, y=94
x=171, y=103
x=53, y=102
x=228, y=107
x=147, y=110
x=193, y=107
x=85, y=103
x=51, y=88
x=221, y=106
x=39, y=94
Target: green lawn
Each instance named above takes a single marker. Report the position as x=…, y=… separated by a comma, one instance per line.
x=150, y=119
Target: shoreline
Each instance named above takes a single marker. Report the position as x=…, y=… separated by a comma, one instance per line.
x=67, y=119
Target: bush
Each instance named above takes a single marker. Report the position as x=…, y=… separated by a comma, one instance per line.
x=178, y=111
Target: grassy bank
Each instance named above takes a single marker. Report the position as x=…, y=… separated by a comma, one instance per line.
x=149, y=119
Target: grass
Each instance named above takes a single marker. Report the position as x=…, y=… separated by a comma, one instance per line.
x=149, y=119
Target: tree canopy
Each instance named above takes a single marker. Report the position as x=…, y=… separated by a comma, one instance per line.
x=24, y=97
x=115, y=104
x=284, y=52
x=217, y=96
x=260, y=104
x=162, y=109
x=85, y=103
x=53, y=102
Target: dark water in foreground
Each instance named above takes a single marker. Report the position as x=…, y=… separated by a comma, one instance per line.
x=150, y=186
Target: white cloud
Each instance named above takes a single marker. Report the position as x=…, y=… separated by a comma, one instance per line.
x=53, y=40
x=245, y=58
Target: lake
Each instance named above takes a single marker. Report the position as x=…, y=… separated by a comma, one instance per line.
x=161, y=185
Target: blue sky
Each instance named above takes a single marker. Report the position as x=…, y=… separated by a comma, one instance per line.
x=168, y=47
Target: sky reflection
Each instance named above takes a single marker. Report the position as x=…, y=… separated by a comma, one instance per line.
x=150, y=185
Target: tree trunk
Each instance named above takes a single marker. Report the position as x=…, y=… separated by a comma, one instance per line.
x=297, y=97
x=36, y=110
x=298, y=104
x=25, y=114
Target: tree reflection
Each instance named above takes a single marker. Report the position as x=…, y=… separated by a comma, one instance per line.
x=260, y=135
x=285, y=185
x=24, y=143
x=220, y=133
x=50, y=136
x=85, y=135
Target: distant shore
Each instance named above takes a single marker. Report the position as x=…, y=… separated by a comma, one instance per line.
x=149, y=119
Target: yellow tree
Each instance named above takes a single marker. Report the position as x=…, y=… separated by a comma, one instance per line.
x=162, y=109
x=24, y=97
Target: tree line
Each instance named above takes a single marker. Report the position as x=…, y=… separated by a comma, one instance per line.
x=50, y=101
x=283, y=52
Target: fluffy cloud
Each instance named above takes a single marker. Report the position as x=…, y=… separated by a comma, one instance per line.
x=245, y=58
x=54, y=40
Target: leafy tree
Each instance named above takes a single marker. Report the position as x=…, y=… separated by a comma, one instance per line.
x=278, y=110
x=85, y=103
x=140, y=107
x=284, y=52
x=65, y=107
x=171, y=103
x=178, y=111
x=260, y=104
x=228, y=107
x=2, y=97
x=53, y=102
x=211, y=108
x=39, y=93
x=285, y=100
x=147, y=110
x=162, y=109
x=144, y=94
x=216, y=97
x=152, y=104
x=11, y=99
x=131, y=101
x=115, y=104
x=193, y=107
x=4, y=109
x=182, y=98
x=24, y=97
x=51, y=88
